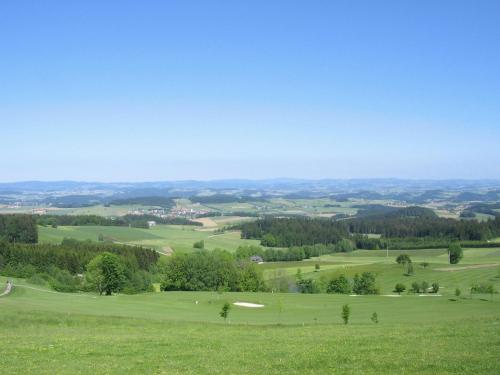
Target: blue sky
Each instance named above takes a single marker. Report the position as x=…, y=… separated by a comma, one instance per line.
x=160, y=90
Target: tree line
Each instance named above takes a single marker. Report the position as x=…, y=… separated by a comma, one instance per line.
x=402, y=225
x=136, y=221
x=217, y=270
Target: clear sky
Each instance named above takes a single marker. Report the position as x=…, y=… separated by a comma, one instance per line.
x=159, y=90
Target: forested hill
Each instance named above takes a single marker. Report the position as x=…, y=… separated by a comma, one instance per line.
x=410, y=222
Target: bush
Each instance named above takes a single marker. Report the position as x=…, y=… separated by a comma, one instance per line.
x=415, y=287
x=435, y=287
x=424, y=286
x=307, y=286
x=39, y=279
x=339, y=285
x=344, y=246
x=199, y=244
x=483, y=288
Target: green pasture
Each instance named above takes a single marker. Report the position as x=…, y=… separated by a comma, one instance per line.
x=177, y=237
x=45, y=332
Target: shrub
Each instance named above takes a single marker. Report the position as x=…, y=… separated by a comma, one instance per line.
x=199, y=244
x=424, y=286
x=415, y=287
x=435, y=287
x=339, y=285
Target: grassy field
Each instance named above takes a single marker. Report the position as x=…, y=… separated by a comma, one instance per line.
x=177, y=237
x=45, y=332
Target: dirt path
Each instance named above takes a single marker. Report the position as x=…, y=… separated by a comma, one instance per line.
x=475, y=266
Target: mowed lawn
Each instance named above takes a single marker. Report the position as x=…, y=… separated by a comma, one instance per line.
x=45, y=332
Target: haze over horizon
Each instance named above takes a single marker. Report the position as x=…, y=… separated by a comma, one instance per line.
x=155, y=91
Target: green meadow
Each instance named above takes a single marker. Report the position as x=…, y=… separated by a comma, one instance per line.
x=182, y=332
x=177, y=237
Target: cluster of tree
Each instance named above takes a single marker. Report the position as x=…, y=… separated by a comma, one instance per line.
x=413, y=243
x=422, y=222
x=400, y=226
x=483, y=288
x=136, y=221
x=69, y=267
x=156, y=201
x=71, y=255
x=215, y=270
x=422, y=287
x=364, y=284
x=18, y=228
x=294, y=253
x=299, y=231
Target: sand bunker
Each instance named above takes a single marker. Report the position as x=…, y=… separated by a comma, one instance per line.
x=247, y=304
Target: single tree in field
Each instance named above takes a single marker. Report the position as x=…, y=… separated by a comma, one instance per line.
x=374, y=318
x=100, y=237
x=106, y=273
x=435, y=287
x=455, y=253
x=424, y=264
x=457, y=292
x=399, y=288
x=403, y=259
x=346, y=312
x=224, y=313
x=316, y=267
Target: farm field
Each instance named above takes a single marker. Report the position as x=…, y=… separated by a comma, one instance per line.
x=177, y=237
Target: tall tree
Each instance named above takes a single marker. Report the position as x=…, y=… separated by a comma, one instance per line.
x=106, y=273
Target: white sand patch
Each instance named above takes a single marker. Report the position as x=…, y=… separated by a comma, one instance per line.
x=391, y=295
x=354, y=295
x=247, y=304
x=430, y=295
